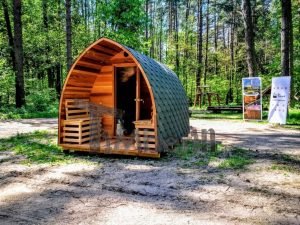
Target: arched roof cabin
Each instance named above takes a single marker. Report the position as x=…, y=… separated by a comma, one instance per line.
x=116, y=100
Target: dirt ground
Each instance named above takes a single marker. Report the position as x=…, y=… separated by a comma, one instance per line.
x=127, y=190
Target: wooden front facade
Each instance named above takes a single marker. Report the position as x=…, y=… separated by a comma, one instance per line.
x=93, y=77
x=144, y=106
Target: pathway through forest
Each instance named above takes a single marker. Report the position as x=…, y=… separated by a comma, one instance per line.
x=254, y=135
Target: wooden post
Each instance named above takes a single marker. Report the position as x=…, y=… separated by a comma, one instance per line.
x=80, y=132
x=212, y=137
x=204, y=138
x=138, y=94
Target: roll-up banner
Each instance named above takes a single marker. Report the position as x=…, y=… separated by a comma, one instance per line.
x=252, y=104
x=279, y=99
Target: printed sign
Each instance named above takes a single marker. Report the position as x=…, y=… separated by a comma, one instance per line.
x=279, y=99
x=252, y=105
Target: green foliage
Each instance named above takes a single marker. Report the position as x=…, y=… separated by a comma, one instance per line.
x=27, y=113
x=187, y=150
x=126, y=22
x=293, y=119
x=40, y=104
x=223, y=115
x=285, y=168
x=195, y=154
x=40, y=100
x=237, y=160
x=39, y=148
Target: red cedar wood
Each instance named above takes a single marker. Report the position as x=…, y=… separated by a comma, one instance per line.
x=104, y=44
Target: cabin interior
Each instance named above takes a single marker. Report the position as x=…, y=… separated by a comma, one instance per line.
x=106, y=75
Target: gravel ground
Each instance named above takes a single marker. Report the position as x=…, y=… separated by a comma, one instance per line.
x=10, y=128
x=126, y=190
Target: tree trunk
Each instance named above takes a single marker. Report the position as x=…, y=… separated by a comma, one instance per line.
x=249, y=38
x=58, y=80
x=224, y=35
x=216, y=37
x=186, y=39
x=152, y=29
x=199, y=47
x=176, y=38
x=285, y=37
x=199, y=44
x=147, y=20
x=50, y=71
x=9, y=34
x=170, y=17
x=69, y=34
x=206, y=43
x=160, y=34
x=229, y=97
x=18, y=49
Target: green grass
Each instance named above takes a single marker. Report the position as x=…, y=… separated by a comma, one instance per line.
x=28, y=113
x=193, y=154
x=287, y=163
x=187, y=150
x=224, y=115
x=235, y=162
x=39, y=148
x=293, y=119
x=285, y=168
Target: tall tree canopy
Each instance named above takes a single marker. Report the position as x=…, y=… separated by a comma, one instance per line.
x=214, y=42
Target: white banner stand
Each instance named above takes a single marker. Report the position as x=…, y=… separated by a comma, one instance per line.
x=279, y=99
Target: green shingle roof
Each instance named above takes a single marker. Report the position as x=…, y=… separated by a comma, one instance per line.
x=170, y=100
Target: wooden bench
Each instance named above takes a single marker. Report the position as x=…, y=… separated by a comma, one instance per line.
x=219, y=109
x=145, y=135
x=77, y=126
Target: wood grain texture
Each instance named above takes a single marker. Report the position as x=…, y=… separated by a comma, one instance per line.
x=84, y=81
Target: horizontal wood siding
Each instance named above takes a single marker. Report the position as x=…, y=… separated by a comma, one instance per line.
x=102, y=93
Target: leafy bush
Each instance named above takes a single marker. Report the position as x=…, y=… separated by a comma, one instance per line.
x=39, y=101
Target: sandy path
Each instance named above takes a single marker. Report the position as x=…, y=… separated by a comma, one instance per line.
x=10, y=128
x=117, y=190
x=259, y=136
x=252, y=135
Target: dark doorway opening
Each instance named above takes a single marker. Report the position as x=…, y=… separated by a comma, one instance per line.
x=125, y=100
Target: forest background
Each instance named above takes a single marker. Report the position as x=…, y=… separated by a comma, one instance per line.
x=205, y=42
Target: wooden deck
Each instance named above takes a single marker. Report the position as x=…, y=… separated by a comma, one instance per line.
x=113, y=147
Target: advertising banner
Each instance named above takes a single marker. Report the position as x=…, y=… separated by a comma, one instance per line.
x=252, y=104
x=279, y=99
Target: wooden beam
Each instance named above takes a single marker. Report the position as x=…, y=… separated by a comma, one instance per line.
x=85, y=73
x=135, y=152
x=97, y=54
x=124, y=64
x=93, y=56
x=89, y=64
x=106, y=51
x=83, y=89
x=120, y=60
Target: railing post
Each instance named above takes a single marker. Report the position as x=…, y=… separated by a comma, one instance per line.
x=212, y=137
x=204, y=139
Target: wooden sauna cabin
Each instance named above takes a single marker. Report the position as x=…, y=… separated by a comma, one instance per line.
x=138, y=104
